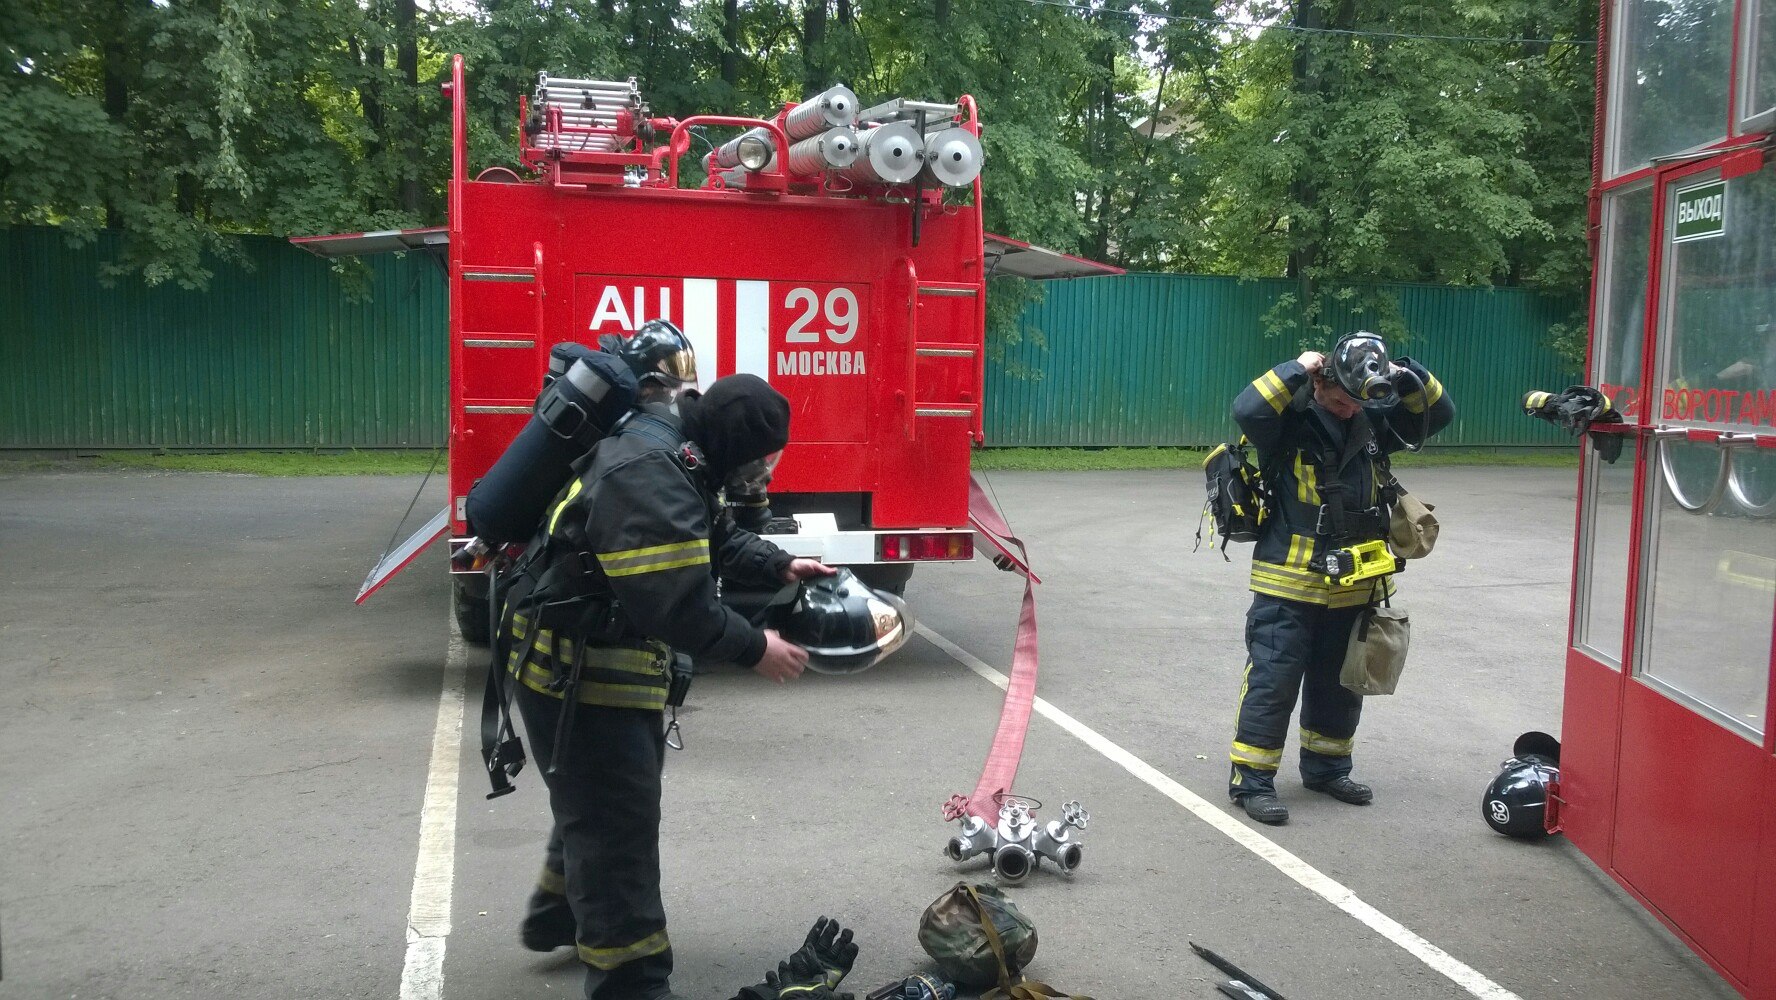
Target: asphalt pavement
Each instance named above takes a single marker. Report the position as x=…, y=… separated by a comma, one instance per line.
x=214, y=767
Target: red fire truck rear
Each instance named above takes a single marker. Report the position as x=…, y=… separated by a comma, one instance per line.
x=835, y=251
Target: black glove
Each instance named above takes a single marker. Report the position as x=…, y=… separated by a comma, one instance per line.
x=1575, y=410
x=829, y=948
x=804, y=977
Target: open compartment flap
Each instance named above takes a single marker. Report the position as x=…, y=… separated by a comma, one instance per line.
x=398, y=558
x=386, y=241
x=1023, y=260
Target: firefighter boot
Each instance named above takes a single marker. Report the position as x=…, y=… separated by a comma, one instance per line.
x=1344, y=790
x=548, y=922
x=1265, y=808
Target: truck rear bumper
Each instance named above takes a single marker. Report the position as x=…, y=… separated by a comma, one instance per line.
x=820, y=538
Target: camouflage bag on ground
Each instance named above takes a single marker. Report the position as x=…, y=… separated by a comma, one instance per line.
x=980, y=938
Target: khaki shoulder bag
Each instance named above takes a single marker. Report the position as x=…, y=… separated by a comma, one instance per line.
x=1375, y=656
x=1412, y=528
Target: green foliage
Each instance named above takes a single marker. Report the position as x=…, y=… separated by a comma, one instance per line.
x=1149, y=135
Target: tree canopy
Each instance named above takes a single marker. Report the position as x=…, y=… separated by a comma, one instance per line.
x=1338, y=142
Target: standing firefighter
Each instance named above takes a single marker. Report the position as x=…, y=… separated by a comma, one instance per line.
x=1323, y=429
x=621, y=592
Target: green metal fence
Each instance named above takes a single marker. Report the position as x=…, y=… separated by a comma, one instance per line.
x=275, y=356
x=282, y=356
x=1156, y=359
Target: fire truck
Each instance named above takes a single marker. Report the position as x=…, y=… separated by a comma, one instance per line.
x=834, y=250
x=1668, y=759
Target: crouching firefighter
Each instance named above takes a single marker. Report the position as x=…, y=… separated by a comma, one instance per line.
x=1323, y=429
x=614, y=596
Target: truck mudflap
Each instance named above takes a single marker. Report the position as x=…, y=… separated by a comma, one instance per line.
x=398, y=558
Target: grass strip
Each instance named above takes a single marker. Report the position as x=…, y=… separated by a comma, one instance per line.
x=250, y=463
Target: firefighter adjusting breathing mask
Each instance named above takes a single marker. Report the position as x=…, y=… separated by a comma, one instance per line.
x=1360, y=364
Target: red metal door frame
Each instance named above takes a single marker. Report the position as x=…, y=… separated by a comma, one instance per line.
x=1687, y=824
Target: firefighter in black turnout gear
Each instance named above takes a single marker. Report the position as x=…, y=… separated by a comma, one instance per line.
x=1323, y=431
x=614, y=595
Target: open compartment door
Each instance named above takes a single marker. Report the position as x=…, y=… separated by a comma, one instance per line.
x=401, y=556
x=1023, y=260
x=339, y=245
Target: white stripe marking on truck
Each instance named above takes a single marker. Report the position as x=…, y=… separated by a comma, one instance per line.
x=752, y=328
x=699, y=326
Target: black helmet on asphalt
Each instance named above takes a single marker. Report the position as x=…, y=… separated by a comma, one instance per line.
x=1360, y=364
x=846, y=626
x=658, y=351
x=1517, y=800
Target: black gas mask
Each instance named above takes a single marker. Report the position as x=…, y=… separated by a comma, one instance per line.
x=752, y=479
x=1360, y=364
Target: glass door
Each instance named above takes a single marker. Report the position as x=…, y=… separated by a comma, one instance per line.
x=1695, y=719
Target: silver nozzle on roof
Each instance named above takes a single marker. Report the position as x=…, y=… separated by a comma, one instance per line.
x=834, y=107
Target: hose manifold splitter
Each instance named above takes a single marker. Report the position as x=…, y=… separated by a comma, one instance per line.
x=1017, y=844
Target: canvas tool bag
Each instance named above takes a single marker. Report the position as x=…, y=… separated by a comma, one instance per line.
x=1376, y=653
x=1412, y=528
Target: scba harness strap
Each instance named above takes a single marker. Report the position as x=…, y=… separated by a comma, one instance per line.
x=1339, y=519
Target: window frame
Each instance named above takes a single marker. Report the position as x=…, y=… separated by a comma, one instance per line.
x=1745, y=73
x=1615, y=76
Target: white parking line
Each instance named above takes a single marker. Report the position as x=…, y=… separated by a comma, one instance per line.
x=1306, y=875
x=428, y=913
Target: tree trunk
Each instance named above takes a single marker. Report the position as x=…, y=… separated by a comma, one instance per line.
x=116, y=54
x=730, y=56
x=813, y=41
x=1303, y=226
x=407, y=65
x=847, y=17
x=370, y=94
x=1108, y=125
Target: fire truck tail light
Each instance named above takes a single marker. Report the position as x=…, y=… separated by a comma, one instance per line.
x=929, y=545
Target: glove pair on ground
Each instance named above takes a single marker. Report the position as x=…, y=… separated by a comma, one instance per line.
x=814, y=971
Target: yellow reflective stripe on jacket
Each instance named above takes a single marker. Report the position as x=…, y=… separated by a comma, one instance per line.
x=1311, y=740
x=1271, y=387
x=1417, y=402
x=552, y=882
x=649, y=662
x=643, y=662
x=1300, y=551
x=1258, y=757
x=609, y=958
x=654, y=558
x=1308, y=586
x=572, y=491
x=649, y=697
x=1307, y=489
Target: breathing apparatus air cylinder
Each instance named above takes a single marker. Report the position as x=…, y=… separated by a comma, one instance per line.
x=584, y=396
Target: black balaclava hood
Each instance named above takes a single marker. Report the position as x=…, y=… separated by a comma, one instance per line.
x=740, y=419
